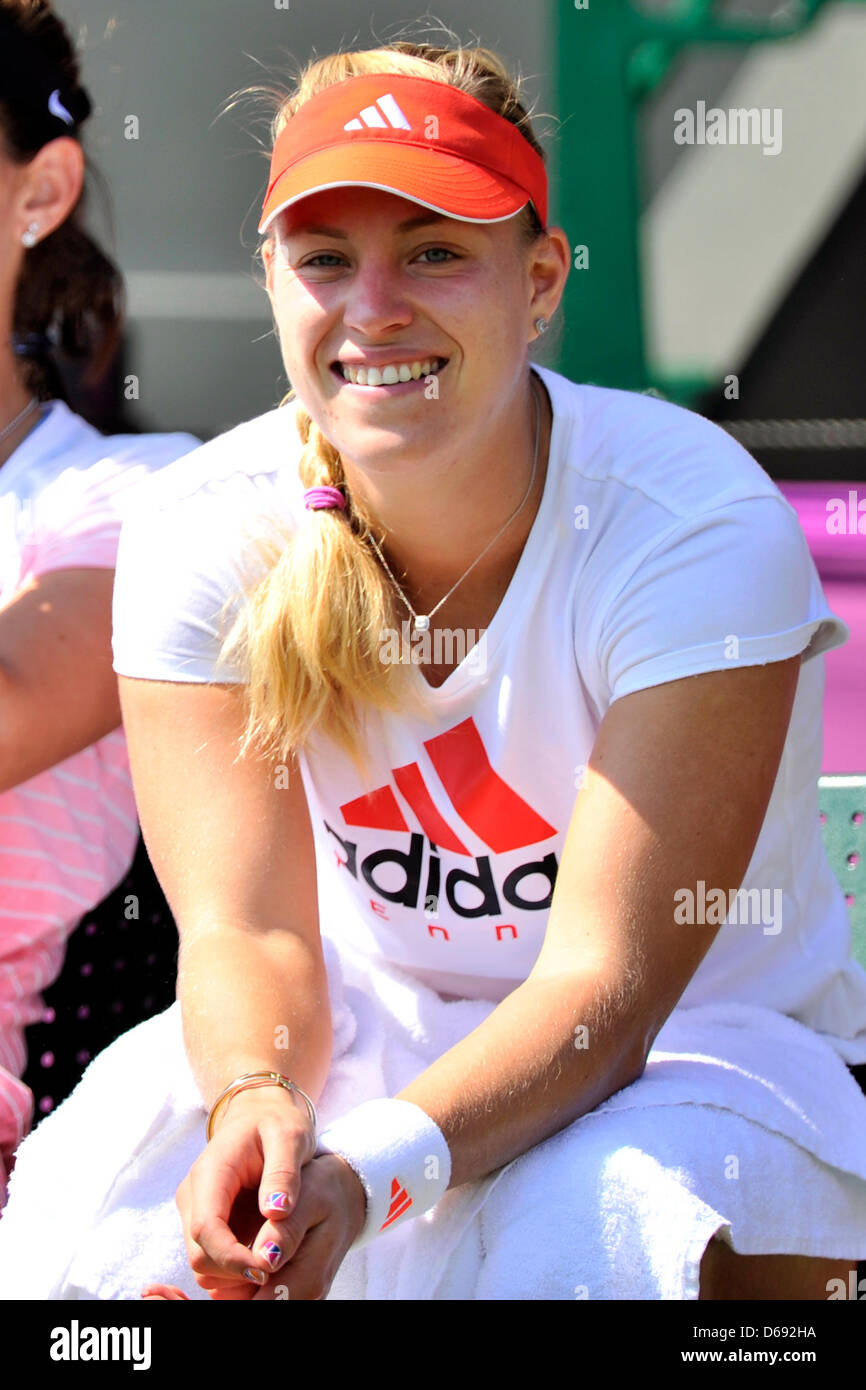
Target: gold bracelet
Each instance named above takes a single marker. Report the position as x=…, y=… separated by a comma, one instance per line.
x=250, y=1082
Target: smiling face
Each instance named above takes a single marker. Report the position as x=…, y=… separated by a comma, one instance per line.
x=367, y=287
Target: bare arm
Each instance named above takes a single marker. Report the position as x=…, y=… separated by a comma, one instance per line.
x=234, y=854
x=233, y=850
x=58, y=692
x=678, y=785
x=232, y=846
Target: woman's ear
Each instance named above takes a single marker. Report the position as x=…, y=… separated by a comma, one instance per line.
x=549, y=269
x=269, y=260
x=52, y=184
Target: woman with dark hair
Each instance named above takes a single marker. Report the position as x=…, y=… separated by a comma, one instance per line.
x=68, y=823
x=460, y=1014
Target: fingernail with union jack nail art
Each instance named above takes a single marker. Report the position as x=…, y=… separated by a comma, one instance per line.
x=278, y=1201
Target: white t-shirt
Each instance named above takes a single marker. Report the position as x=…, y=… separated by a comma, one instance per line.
x=660, y=549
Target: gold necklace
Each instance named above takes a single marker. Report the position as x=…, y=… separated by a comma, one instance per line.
x=422, y=620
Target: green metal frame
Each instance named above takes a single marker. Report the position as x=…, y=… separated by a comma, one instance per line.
x=609, y=55
x=842, y=804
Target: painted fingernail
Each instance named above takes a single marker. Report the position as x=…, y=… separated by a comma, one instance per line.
x=257, y=1276
x=271, y=1252
x=278, y=1201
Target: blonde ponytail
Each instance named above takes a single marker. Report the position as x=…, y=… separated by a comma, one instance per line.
x=309, y=639
x=310, y=634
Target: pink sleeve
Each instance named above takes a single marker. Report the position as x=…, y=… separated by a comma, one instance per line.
x=89, y=544
x=16, y=1109
x=79, y=520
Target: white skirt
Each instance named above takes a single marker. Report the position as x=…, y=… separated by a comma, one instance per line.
x=744, y=1124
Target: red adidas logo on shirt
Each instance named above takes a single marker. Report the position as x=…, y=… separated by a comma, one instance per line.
x=492, y=809
x=484, y=802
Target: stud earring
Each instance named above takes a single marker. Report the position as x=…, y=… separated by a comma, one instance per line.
x=31, y=236
x=542, y=326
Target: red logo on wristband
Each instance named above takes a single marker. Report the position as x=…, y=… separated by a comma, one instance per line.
x=400, y=1202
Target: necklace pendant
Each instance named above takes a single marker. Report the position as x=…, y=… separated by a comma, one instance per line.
x=422, y=622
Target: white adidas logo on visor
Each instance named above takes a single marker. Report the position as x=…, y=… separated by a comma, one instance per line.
x=384, y=113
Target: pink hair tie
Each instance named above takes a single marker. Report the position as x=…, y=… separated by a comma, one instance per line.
x=316, y=498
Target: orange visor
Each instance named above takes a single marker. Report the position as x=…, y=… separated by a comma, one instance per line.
x=421, y=139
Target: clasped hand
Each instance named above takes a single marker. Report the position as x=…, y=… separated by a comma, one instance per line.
x=262, y=1218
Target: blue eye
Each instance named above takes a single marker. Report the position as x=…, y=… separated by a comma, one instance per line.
x=328, y=259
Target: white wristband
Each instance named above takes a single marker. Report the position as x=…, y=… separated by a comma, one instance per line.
x=400, y=1156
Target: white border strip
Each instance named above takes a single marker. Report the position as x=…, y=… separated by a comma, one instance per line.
x=385, y=188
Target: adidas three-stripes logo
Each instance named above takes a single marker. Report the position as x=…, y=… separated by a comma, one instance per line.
x=383, y=113
x=400, y=1202
x=487, y=804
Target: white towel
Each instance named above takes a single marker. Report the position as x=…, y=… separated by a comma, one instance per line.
x=616, y=1205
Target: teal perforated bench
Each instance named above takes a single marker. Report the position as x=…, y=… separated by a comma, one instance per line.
x=842, y=809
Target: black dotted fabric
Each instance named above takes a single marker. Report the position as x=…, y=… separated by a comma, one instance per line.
x=118, y=971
